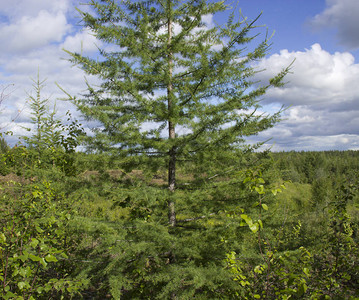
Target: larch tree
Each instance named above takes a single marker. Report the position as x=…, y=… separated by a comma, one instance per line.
x=39, y=109
x=51, y=140
x=175, y=91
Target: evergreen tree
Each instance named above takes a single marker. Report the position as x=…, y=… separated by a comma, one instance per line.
x=52, y=141
x=175, y=92
x=39, y=109
x=171, y=72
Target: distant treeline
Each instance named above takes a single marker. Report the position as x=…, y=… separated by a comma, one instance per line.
x=309, y=167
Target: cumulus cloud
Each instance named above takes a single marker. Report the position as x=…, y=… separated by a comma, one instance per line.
x=343, y=16
x=316, y=143
x=307, y=129
x=33, y=32
x=302, y=120
x=318, y=78
x=83, y=41
x=322, y=94
x=16, y=9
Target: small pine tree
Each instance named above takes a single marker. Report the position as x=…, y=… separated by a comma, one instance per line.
x=52, y=141
x=38, y=108
x=43, y=121
x=175, y=93
x=194, y=83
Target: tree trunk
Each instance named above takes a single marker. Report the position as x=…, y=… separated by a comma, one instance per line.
x=171, y=129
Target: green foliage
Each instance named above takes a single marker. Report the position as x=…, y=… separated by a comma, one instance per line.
x=328, y=271
x=195, y=214
x=284, y=276
x=322, y=191
x=195, y=81
x=336, y=269
x=53, y=143
x=196, y=84
x=4, y=147
x=15, y=160
x=308, y=167
x=34, y=242
x=272, y=276
x=239, y=237
x=38, y=108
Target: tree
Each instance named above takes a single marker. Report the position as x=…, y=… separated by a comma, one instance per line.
x=53, y=142
x=195, y=80
x=39, y=110
x=176, y=92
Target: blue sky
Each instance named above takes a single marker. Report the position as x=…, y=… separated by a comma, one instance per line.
x=298, y=24
x=321, y=35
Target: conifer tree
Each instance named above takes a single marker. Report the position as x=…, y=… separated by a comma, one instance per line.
x=174, y=87
x=52, y=140
x=175, y=92
x=39, y=109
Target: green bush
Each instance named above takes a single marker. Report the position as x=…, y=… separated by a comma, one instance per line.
x=34, y=243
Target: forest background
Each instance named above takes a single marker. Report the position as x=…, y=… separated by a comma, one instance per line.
x=183, y=207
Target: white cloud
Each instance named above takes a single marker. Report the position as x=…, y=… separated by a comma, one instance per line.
x=16, y=9
x=323, y=98
x=32, y=32
x=304, y=128
x=208, y=20
x=319, y=78
x=342, y=15
x=316, y=143
x=32, y=40
x=83, y=41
